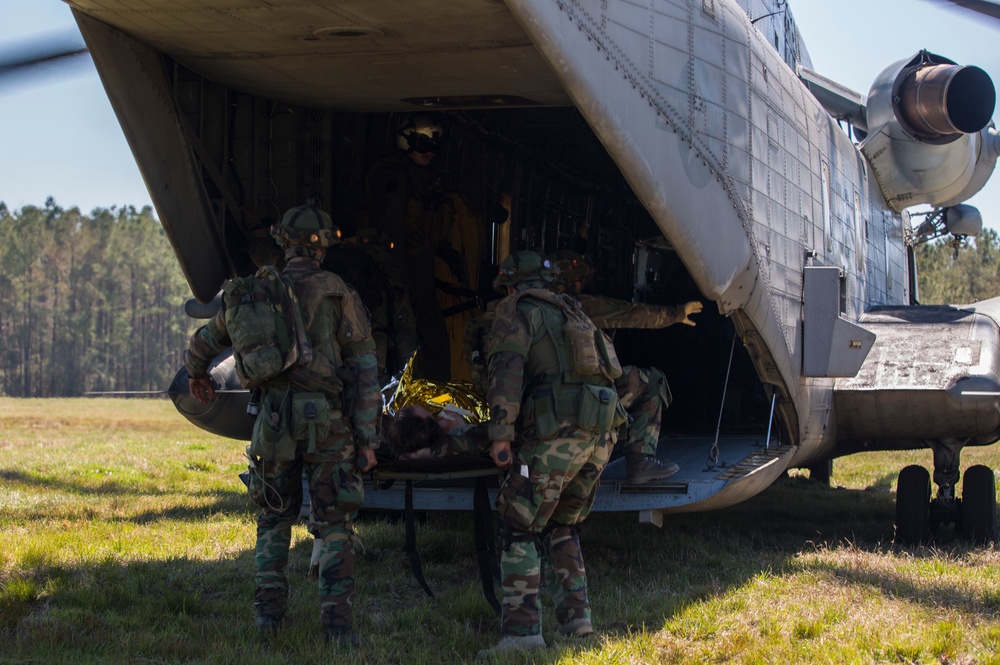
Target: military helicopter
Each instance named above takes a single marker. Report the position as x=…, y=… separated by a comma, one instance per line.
x=688, y=147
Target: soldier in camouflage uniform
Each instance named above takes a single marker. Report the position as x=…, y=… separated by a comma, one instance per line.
x=643, y=392
x=338, y=330
x=536, y=397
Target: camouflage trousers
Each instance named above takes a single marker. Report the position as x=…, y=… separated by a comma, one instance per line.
x=644, y=394
x=336, y=492
x=538, y=514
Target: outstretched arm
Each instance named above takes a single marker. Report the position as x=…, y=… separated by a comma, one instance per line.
x=693, y=307
x=608, y=312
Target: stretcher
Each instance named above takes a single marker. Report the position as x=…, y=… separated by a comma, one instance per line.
x=458, y=470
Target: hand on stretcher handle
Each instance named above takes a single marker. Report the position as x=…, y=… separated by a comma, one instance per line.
x=366, y=460
x=500, y=452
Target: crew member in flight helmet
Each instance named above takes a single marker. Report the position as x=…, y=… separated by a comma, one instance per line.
x=303, y=399
x=534, y=389
x=643, y=392
x=408, y=204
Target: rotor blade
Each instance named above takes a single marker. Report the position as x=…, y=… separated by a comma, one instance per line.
x=991, y=9
x=40, y=56
x=93, y=393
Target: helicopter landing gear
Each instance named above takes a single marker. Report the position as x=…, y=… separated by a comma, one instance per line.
x=913, y=498
x=918, y=517
x=821, y=472
x=979, y=505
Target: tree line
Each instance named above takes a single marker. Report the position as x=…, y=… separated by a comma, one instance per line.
x=88, y=302
x=962, y=277
x=92, y=303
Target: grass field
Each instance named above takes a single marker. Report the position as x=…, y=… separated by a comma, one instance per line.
x=125, y=537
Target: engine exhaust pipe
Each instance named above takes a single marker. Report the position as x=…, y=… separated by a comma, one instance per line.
x=939, y=103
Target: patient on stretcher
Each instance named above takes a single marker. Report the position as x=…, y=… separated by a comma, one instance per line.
x=425, y=420
x=417, y=434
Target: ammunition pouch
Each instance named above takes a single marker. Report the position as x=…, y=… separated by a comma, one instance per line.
x=310, y=419
x=599, y=409
x=591, y=407
x=272, y=439
x=581, y=338
x=611, y=367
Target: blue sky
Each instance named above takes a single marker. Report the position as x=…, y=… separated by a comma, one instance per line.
x=59, y=136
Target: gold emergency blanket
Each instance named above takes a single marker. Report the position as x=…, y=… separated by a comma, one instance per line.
x=435, y=396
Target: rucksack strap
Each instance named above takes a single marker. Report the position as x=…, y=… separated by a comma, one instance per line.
x=410, y=548
x=486, y=551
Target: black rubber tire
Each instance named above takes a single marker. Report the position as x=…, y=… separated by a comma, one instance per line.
x=979, y=505
x=913, y=498
x=822, y=472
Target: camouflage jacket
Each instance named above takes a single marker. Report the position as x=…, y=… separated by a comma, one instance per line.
x=340, y=334
x=608, y=312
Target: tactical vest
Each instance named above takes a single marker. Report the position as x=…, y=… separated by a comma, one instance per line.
x=300, y=405
x=581, y=388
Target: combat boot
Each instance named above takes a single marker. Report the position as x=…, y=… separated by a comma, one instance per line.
x=269, y=604
x=342, y=636
x=513, y=643
x=269, y=625
x=642, y=468
x=576, y=628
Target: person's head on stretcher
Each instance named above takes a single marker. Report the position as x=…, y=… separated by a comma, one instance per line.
x=414, y=428
x=418, y=433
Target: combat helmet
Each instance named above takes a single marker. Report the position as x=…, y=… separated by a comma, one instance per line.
x=420, y=133
x=306, y=226
x=571, y=265
x=524, y=266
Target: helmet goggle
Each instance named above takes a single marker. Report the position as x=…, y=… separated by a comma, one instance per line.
x=422, y=143
x=421, y=135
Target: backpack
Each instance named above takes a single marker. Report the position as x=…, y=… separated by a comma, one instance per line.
x=265, y=325
x=591, y=351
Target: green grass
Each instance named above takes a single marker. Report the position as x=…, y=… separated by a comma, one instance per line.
x=125, y=536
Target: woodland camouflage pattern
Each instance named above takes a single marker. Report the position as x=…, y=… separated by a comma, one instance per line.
x=608, y=312
x=471, y=440
x=539, y=509
x=643, y=392
x=340, y=335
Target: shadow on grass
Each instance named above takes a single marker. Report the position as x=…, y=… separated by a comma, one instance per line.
x=227, y=501
x=185, y=609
